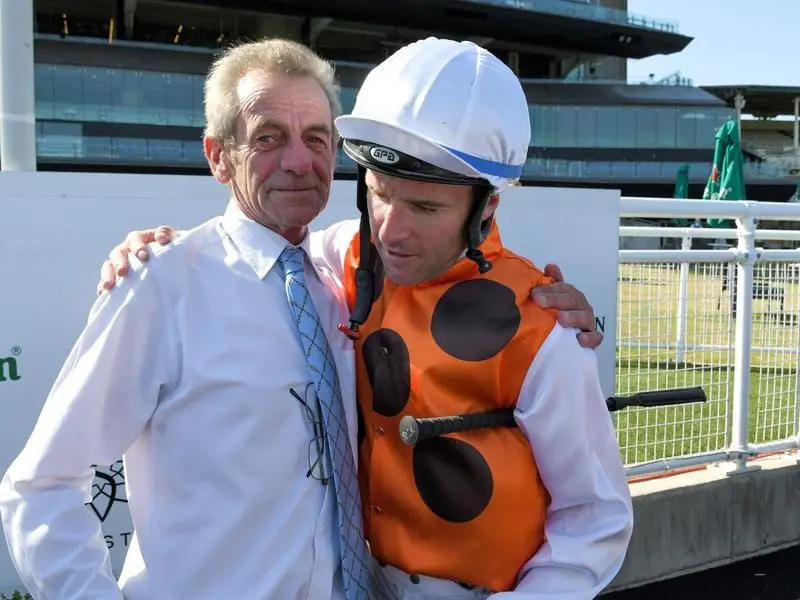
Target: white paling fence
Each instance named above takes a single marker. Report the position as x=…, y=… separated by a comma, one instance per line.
x=724, y=318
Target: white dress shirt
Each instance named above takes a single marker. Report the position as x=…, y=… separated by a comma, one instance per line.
x=562, y=411
x=185, y=369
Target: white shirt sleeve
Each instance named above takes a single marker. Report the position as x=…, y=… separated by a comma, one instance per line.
x=562, y=411
x=330, y=245
x=103, y=397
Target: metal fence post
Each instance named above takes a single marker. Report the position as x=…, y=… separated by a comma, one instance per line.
x=746, y=259
x=683, y=302
x=17, y=103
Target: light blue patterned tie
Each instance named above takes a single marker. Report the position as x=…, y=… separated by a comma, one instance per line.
x=355, y=558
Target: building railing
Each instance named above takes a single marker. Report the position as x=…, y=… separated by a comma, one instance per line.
x=585, y=10
x=725, y=318
x=580, y=78
x=550, y=168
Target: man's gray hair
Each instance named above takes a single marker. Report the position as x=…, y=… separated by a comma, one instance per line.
x=274, y=55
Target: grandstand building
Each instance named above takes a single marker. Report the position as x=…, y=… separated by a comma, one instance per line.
x=118, y=83
x=772, y=133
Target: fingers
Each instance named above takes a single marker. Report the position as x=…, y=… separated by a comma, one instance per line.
x=136, y=243
x=574, y=310
x=579, y=319
x=561, y=296
x=164, y=234
x=590, y=339
x=119, y=259
x=108, y=277
x=553, y=271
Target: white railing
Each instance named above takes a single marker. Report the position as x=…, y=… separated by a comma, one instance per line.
x=724, y=318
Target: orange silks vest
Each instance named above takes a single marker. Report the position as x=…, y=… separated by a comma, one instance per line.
x=467, y=506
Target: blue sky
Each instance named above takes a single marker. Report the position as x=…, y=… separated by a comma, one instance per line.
x=735, y=41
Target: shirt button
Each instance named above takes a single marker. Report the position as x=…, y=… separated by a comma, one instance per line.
x=380, y=430
x=384, y=350
x=378, y=509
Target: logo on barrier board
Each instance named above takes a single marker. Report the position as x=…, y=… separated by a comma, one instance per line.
x=9, y=365
x=108, y=493
x=108, y=489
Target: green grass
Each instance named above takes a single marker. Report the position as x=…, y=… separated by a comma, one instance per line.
x=653, y=434
x=648, y=300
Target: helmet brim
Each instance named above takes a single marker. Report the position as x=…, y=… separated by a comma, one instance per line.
x=410, y=143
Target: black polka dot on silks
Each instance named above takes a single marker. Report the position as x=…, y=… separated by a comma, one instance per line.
x=389, y=370
x=475, y=319
x=453, y=478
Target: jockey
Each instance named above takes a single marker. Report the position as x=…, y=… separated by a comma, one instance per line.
x=443, y=325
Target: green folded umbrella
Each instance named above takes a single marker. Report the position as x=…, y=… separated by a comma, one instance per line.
x=727, y=172
x=682, y=191
x=796, y=196
x=682, y=183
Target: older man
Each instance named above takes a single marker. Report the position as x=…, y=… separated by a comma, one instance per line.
x=535, y=507
x=216, y=390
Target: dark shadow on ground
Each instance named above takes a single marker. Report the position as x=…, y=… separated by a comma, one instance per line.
x=774, y=576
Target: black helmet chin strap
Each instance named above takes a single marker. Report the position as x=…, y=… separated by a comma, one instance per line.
x=365, y=272
x=478, y=229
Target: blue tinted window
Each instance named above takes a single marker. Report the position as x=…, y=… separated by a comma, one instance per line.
x=646, y=132
x=118, y=96
x=153, y=99
x=179, y=101
x=348, y=100
x=68, y=93
x=607, y=127
x=96, y=94
x=624, y=126
x=666, y=127
x=126, y=96
x=586, y=127
x=44, y=92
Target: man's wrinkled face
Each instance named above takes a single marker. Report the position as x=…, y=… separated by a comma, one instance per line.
x=280, y=164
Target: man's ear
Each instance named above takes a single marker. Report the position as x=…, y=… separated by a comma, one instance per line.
x=217, y=159
x=491, y=206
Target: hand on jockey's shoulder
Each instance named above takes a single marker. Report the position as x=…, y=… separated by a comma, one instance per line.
x=116, y=265
x=573, y=308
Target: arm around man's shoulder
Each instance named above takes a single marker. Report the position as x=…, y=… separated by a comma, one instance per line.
x=329, y=246
x=102, y=398
x=562, y=411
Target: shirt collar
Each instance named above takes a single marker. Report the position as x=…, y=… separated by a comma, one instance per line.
x=259, y=246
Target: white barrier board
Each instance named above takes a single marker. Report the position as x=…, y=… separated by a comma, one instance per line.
x=57, y=229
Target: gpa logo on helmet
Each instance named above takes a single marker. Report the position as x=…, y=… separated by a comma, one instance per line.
x=384, y=155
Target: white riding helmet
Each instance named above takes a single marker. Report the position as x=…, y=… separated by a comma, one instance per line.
x=452, y=105
x=440, y=111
